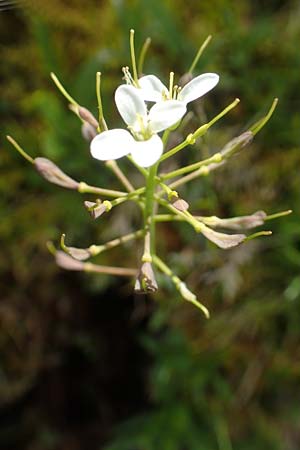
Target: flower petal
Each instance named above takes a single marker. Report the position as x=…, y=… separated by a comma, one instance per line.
x=146, y=153
x=198, y=87
x=111, y=144
x=166, y=113
x=152, y=88
x=130, y=103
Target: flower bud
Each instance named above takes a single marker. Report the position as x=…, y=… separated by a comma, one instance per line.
x=236, y=223
x=145, y=282
x=81, y=254
x=96, y=209
x=67, y=262
x=237, y=143
x=87, y=116
x=222, y=240
x=180, y=204
x=88, y=131
x=48, y=170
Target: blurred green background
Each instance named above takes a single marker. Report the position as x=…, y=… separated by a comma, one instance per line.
x=84, y=363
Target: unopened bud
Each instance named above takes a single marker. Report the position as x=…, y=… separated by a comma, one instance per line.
x=236, y=223
x=96, y=209
x=67, y=262
x=52, y=173
x=81, y=254
x=145, y=282
x=88, y=131
x=237, y=143
x=222, y=240
x=180, y=204
x=87, y=116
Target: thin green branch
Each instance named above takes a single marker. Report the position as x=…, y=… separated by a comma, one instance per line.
x=64, y=91
x=102, y=124
x=97, y=249
x=114, y=167
x=262, y=122
x=180, y=285
x=216, y=158
x=143, y=52
x=20, y=149
x=199, y=53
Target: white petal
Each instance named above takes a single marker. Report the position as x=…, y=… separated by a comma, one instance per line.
x=166, y=113
x=130, y=103
x=152, y=88
x=146, y=153
x=111, y=144
x=198, y=87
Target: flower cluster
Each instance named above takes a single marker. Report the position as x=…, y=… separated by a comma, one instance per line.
x=143, y=141
x=149, y=108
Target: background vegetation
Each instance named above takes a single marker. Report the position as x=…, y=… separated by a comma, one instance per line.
x=84, y=364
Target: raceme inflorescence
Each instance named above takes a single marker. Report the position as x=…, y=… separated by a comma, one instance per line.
x=152, y=112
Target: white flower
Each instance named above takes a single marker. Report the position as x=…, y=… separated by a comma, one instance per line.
x=153, y=90
x=142, y=142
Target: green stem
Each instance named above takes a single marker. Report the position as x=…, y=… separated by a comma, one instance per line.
x=150, y=205
x=191, y=138
x=64, y=91
x=20, y=149
x=114, y=167
x=216, y=158
x=199, y=53
x=87, y=189
x=180, y=285
x=262, y=122
x=279, y=214
x=183, y=214
x=97, y=249
x=102, y=124
x=143, y=52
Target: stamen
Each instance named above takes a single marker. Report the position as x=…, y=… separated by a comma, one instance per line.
x=127, y=75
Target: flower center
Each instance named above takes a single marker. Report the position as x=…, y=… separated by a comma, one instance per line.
x=141, y=129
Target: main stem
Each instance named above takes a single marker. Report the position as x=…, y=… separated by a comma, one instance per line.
x=149, y=213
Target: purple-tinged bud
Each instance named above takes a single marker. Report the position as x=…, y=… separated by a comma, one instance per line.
x=145, y=282
x=67, y=262
x=81, y=254
x=180, y=204
x=222, y=240
x=237, y=143
x=88, y=131
x=88, y=117
x=96, y=209
x=52, y=173
x=236, y=223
